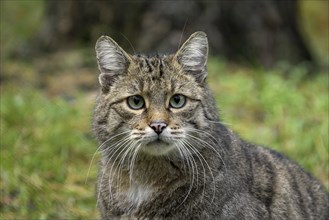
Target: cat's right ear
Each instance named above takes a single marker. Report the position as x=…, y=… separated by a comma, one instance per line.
x=112, y=61
x=193, y=55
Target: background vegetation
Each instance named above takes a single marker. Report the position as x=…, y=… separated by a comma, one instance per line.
x=46, y=104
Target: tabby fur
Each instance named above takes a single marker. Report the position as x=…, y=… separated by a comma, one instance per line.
x=196, y=168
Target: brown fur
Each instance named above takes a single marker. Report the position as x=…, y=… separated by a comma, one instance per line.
x=196, y=168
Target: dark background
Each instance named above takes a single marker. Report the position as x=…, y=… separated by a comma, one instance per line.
x=252, y=32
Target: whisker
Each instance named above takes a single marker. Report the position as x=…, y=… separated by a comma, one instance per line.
x=92, y=159
x=187, y=155
x=116, y=149
x=181, y=37
x=195, y=151
x=123, y=151
x=132, y=47
x=207, y=134
x=131, y=165
x=128, y=149
x=209, y=146
x=220, y=122
x=200, y=156
x=181, y=155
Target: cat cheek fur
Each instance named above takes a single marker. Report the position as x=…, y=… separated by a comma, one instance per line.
x=192, y=116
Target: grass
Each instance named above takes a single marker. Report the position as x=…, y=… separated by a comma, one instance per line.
x=46, y=147
x=286, y=112
x=45, y=153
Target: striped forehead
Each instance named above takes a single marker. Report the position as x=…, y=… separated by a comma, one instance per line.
x=152, y=66
x=154, y=77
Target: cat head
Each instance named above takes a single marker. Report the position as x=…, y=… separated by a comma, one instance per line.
x=155, y=104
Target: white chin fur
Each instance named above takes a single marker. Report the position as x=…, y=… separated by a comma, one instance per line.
x=157, y=148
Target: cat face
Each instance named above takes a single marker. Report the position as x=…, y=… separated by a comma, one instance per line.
x=153, y=104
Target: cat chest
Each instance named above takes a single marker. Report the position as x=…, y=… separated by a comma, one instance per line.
x=138, y=194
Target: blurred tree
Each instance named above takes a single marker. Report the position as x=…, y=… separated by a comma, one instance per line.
x=255, y=32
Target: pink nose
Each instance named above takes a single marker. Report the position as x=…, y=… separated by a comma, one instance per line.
x=158, y=126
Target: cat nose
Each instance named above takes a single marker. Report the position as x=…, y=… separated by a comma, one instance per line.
x=158, y=126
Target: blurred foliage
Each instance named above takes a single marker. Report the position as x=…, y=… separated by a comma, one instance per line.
x=20, y=21
x=284, y=112
x=45, y=153
x=46, y=143
x=46, y=150
x=314, y=21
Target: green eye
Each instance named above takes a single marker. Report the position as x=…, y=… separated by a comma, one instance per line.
x=135, y=102
x=177, y=101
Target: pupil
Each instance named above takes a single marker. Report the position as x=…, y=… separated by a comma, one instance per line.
x=136, y=100
x=177, y=99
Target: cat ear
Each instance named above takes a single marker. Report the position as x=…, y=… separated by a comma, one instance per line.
x=193, y=54
x=112, y=61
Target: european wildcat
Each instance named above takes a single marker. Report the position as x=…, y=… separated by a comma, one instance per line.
x=165, y=153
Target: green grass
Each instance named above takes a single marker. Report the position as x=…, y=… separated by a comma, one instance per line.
x=46, y=146
x=45, y=153
x=287, y=112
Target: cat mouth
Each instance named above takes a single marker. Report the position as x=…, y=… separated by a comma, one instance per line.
x=157, y=147
x=157, y=142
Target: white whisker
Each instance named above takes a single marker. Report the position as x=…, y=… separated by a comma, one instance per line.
x=127, y=143
x=116, y=148
x=190, y=164
x=200, y=156
x=195, y=151
x=92, y=159
x=131, y=165
x=209, y=146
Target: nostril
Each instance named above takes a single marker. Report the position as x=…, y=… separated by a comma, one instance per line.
x=158, y=127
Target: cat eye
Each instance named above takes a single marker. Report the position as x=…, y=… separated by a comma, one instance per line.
x=135, y=102
x=177, y=101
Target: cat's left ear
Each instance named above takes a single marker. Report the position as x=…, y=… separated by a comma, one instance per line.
x=193, y=55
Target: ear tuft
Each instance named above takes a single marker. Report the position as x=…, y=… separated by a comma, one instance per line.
x=112, y=60
x=193, y=55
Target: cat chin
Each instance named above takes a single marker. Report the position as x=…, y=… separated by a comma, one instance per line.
x=158, y=148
